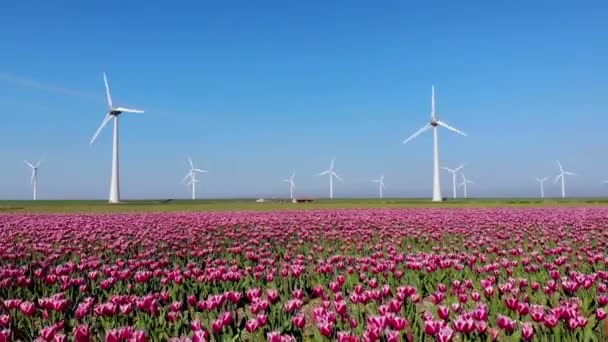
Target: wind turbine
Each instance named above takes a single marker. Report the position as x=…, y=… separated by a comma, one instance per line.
x=113, y=113
x=332, y=173
x=434, y=123
x=453, y=171
x=464, y=183
x=542, y=186
x=562, y=174
x=192, y=175
x=34, y=178
x=292, y=185
x=381, y=186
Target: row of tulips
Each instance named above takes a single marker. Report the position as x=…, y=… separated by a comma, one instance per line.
x=345, y=275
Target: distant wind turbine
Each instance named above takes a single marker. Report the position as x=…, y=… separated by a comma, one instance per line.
x=562, y=174
x=292, y=184
x=542, y=185
x=113, y=113
x=464, y=183
x=381, y=186
x=34, y=178
x=434, y=123
x=192, y=175
x=453, y=171
x=332, y=173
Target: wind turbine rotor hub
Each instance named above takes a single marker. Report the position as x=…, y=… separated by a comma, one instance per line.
x=114, y=112
x=434, y=123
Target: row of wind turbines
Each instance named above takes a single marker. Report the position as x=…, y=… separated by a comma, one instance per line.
x=115, y=111
x=331, y=172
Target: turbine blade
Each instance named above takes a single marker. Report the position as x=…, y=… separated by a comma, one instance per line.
x=103, y=124
x=189, y=174
x=558, y=177
x=28, y=163
x=459, y=168
x=128, y=110
x=448, y=169
x=190, y=161
x=337, y=177
x=420, y=131
x=200, y=171
x=443, y=124
x=109, y=97
x=331, y=167
x=323, y=173
x=570, y=173
x=561, y=169
x=33, y=175
x=433, y=103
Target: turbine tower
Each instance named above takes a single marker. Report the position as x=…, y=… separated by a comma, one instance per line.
x=434, y=123
x=332, y=173
x=453, y=171
x=542, y=186
x=113, y=113
x=34, y=178
x=562, y=174
x=292, y=185
x=192, y=175
x=464, y=183
x=381, y=186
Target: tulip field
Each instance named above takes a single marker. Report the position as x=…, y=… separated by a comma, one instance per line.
x=455, y=274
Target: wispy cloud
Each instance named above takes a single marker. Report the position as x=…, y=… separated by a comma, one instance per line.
x=30, y=83
x=57, y=89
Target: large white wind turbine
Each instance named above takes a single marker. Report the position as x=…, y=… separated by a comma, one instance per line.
x=434, y=123
x=113, y=113
x=453, y=171
x=332, y=173
x=34, y=179
x=192, y=175
x=292, y=184
x=381, y=186
x=542, y=186
x=464, y=183
x=562, y=174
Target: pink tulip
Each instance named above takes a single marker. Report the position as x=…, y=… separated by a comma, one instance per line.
x=443, y=312
x=5, y=321
x=217, y=326
x=201, y=336
x=251, y=325
x=445, y=334
x=299, y=321
x=112, y=336
x=432, y=327
x=82, y=333
x=551, y=321
x=5, y=335
x=527, y=331
x=505, y=323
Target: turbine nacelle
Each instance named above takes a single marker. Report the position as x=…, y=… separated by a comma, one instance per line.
x=113, y=111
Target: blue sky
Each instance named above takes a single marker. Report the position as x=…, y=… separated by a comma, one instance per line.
x=253, y=90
